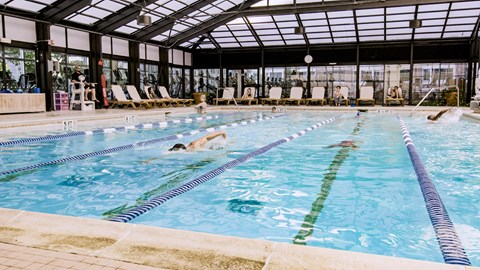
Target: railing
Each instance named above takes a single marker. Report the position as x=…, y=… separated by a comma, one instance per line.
x=448, y=87
x=431, y=90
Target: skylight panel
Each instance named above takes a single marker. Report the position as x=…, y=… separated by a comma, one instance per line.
x=83, y=19
x=320, y=40
x=292, y=36
x=318, y=35
x=160, y=38
x=133, y=24
x=432, y=15
x=225, y=39
x=340, y=14
x=262, y=3
x=188, y=2
x=341, y=21
x=370, y=32
x=370, y=19
x=471, y=20
x=466, y=5
x=97, y=12
x=343, y=34
x=306, y=1
x=434, y=7
x=437, y=29
x=273, y=43
x=344, y=39
x=287, y=24
x=369, y=12
x=259, y=19
x=282, y=18
x=174, y=5
x=429, y=35
x=221, y=34
x=110, y=5
x=433, y=22
x=22, y=4
x=238, y=27
x=347, y=27
x=399, y=37
x=400, y=17
x=371, y=38
x=295, y=42
x=164, y=11
x=279, y=2
x=125, y=29
x=213, y=10
x=249, y=44
x=225, y=5
x=468, y=27
x=464, y=13
x=268, y=32
x=246, y=39
x=317, y=29
x=314, y=23
x=397, y=24
x=180, y=27
x=273, y=37
x=400, y=10
x=286, y=31
x=207, y=46
x=365, y=26
x=242, y=33
x=264, y=25
x=399, y=31
x=312, y=16
x=457, y=34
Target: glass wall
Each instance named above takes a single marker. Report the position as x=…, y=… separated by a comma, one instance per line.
x=188, y=87
x=373, y=75
x=443, y=78
x=119, y=73
x=250, y=80
x=332, y=76
x=148, y=75
x=397, y=75
x=175, y=81
x=67, y=63
x=19, y=74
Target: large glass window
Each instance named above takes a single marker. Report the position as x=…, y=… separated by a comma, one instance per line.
x=19, y=75
x=119, y=72
x=148, y=75
x=175, y=81
x=188, y=89
x=332, y=76
x=373, y=75
x=250, y=80
x=397, y=75
x=441, y=78
x=275, y=77
x=67, y=63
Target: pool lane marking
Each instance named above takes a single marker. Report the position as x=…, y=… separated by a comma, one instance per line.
x=104, y=130
x=125, y=147
x=306, y=229
x=450, y=244
x=159, y=200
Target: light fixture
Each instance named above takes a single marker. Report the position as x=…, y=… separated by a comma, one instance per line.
x=415, y=23
x=300, y=30
x=143, y=19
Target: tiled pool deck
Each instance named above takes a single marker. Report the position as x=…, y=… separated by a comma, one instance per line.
x=31, y=240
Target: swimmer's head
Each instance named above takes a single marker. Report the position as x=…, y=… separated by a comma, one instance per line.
x=430, y=117
x=177, y=147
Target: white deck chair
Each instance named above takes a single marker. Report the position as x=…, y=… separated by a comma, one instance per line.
x=178, y=101
x=132, y=91
x=366, y=95
x=318, y=95
x=247, y=99
x=274, y=95
x=400, y=99
x=344, y=90
x=121, y=99
x=295, y=96
x=227, y=96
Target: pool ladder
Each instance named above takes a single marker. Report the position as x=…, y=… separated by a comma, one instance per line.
x=431, y=90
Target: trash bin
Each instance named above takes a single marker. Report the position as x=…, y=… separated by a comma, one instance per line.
x=197, y=96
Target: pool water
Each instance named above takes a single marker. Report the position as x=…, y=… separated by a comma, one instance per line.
x=362, y=197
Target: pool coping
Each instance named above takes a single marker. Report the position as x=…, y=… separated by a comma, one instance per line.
x=179, y=249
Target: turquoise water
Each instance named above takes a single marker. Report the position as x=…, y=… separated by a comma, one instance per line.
x=364, y=198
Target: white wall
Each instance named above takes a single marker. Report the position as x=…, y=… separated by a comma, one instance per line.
x=57, y=34
x=120, y=47
x=78, y=40
x=153, y=53
x=177, y=57
x=106, y=45
x=188, y=59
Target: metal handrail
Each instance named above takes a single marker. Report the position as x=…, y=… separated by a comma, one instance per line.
x=233, y=97
x=411, y=113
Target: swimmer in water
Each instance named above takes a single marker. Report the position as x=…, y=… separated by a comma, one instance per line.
x=202, y=106
x=348, y=143
x=432, y=117
x=199, y=143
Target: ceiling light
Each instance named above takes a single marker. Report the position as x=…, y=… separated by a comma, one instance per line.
x=415, y=23
x=300, y=30
x=144, y=20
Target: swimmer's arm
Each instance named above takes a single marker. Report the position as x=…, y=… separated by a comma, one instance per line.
x=440, y=114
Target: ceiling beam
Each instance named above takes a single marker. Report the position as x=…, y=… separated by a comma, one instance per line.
x=211, y=24
x=122, y=17
x=168, y=22
x=62, y=9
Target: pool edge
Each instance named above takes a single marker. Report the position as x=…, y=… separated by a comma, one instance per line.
x=178, y=249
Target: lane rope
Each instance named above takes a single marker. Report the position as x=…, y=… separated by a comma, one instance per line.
x=159, y=200
x=105, y=130
x=450, y=244
x=133, y=145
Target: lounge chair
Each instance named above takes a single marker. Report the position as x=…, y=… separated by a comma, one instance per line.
x=121, y=99
x=295, y=96
x=274, y=95
x=161, y=102
x=133, y=93
x=248, y=98
x=178, y=101
x=227, y=96
x=400, y=99
x=366, y=95
x=318, y=95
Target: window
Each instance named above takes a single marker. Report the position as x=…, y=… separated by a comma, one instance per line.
x=20, y=71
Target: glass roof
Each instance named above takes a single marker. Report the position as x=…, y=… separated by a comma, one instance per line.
x=206, y=24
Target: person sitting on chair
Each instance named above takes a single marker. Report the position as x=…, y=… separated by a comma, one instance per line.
x=337, y=96
x=394, y=93
x=77, y=78
x=198, y=144
x=248, y=94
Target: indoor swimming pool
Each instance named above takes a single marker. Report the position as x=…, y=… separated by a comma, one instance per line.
x=339, y=180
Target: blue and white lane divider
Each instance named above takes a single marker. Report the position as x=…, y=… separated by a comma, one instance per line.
x=133, y=145
x=105, y=130
x=450, y=244
x=159, y=200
